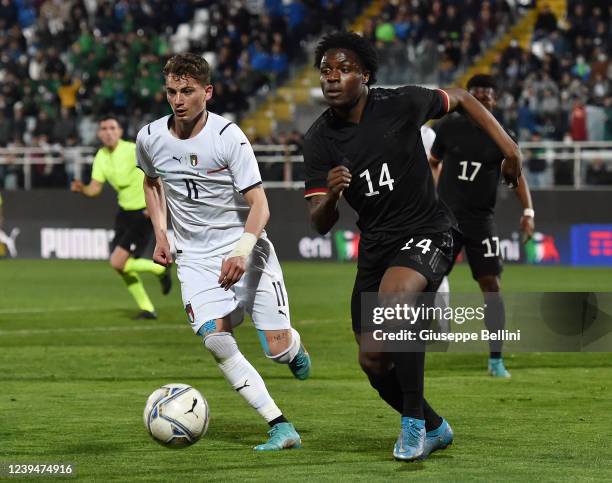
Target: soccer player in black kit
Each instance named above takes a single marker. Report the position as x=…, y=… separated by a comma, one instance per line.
x=367, y=147
x=467, y=164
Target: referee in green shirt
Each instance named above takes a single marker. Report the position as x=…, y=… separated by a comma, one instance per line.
x=115, y=162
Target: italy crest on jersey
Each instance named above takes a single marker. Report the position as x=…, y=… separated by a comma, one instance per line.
x=193, y=159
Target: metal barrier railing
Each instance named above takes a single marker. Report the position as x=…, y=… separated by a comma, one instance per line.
x=547, y=164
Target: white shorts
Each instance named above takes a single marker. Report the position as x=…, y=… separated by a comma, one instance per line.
x=260, y=292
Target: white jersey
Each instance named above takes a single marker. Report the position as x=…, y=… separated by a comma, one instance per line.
x=204, y=179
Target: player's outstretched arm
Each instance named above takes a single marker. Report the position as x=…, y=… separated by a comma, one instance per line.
x=324, y=208
x=234, y=266
x=527, y=219
x=463, y=100
x=156, y=206
x=91, y=190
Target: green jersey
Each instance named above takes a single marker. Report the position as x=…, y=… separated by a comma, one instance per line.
x=118, y=167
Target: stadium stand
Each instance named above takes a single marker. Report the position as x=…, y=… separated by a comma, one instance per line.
x=418, y=41
x=429, y=42
x=91, y=57
x=559, y=87
x=64, y=63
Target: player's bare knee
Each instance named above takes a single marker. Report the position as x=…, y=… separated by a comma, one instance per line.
x=280, y=345
x=402, y=280
x=117, y=263
x=489, y=283
x=374, y=363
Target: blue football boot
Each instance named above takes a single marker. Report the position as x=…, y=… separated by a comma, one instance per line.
x=439, y=438
x=497, y=368
x=411, y=440
x=282, y=436
x=300, y=365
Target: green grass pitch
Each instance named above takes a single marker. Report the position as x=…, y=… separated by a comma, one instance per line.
x=76, y=372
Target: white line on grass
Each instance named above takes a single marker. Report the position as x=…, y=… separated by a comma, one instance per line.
x=37, y=310
x=92, y=329
x=118, y=328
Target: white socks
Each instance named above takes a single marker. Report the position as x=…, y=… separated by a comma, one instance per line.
x=239, y=372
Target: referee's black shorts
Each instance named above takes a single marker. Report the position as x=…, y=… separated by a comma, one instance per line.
x=133, y=231
x=428, y=254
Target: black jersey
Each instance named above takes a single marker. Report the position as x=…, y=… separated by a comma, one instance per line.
x=471, y=168
x=391, y=188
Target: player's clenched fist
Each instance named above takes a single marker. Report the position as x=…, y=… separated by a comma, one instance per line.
x=527, y=228
x=338, y=179
x=162, y=254
x=232, y=270
x=76, y=186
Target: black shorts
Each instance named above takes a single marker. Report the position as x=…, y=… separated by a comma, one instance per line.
x=430, y=255
x=133, y=231
x=482, y=247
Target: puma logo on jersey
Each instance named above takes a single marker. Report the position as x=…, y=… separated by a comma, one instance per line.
x=177, y=159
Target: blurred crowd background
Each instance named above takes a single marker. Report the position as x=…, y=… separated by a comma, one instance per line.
x=63, y=63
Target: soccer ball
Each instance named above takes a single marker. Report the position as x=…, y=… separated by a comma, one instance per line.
x=176, y=415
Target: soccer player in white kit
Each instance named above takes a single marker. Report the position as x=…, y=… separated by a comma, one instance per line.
x=204, y=168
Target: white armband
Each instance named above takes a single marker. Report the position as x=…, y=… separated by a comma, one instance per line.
x=529, y=212
x=245, y=245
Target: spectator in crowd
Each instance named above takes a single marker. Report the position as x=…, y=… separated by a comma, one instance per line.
x=598, y=173
x=546, y=21
x=536, y=164
x=578, y=121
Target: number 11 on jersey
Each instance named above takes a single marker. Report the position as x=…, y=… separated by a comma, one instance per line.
x=385, y=180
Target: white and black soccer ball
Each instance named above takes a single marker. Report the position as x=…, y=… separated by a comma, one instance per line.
x=176, y=415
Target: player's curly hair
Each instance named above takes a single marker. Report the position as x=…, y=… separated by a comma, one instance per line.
x=188, y=65
x=481, y=80
x=355, y=43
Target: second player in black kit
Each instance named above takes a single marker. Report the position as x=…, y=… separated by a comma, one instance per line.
x=367, y=148
x=468, y=185
x=468, y=164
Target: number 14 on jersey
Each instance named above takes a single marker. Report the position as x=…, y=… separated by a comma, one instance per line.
x=385, y=180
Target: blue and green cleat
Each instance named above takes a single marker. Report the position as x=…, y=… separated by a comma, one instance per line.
x=282, y=436
x=300, y=365
x=497, y=368
x=439, y=438
x=411, y=441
